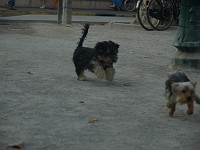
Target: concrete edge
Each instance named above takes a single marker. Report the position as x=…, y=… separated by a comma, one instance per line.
x=55, y=21
x=20, y=12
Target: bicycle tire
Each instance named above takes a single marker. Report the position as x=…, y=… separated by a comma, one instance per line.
x=142, y=15
x=130, y=5
x=162, y=11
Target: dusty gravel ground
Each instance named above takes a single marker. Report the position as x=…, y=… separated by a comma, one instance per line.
x=44, y=107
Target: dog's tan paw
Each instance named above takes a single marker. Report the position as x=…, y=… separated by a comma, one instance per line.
x=82, y=78
x=171, y=114
x=189, y=112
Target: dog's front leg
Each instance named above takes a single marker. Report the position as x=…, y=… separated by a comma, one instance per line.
x=190, y=108
x=110, y=73
x=99, y=72
x=172, y=107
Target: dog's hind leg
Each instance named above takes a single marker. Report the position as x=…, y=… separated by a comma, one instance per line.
x=80, y=73
x=81, y=77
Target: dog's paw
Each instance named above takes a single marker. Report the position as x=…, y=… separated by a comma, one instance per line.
x=189, y=112
x=82, y=78
x=171, y=114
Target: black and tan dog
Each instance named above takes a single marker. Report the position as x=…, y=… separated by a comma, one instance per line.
x=180, y=89
x=99, y=60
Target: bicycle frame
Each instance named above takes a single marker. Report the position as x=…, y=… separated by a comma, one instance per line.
x=138, y=2
x=162, y=12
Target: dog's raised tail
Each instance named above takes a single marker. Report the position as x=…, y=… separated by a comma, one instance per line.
x=84, y=32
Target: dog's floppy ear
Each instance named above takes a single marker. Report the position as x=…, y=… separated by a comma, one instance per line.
x=117, y=45
x=113, y=44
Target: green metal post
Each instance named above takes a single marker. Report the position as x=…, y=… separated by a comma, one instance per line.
x=187, y=38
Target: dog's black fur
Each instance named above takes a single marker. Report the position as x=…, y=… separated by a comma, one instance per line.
x=98, y=60
x=176, y=77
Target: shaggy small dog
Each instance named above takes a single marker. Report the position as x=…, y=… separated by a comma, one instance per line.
x=180, y=89
x=99, y=60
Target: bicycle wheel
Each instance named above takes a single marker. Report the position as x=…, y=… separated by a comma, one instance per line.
x=130, y=5
x=142, y=15
x=162, y=11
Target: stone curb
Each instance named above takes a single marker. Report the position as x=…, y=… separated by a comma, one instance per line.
x=21, y=12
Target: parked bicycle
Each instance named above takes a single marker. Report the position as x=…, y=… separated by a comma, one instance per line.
x=157, y=14
x=129, y=5
x=164, y=12
x=142, y=14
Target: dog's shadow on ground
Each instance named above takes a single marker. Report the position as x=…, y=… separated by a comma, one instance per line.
x=181, y=116
x=103, y=83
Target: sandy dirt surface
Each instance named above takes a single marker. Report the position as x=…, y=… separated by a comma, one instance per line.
x=44, y=107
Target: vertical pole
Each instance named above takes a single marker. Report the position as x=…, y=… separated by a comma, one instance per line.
x=187, y=38
x=67, y=12
x=30, y=3
x=60, y=11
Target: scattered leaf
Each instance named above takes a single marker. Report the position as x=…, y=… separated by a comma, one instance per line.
x=17, y=145
x=126, y=84
x=29, y=72
x=40, y=148
x=94, y=120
